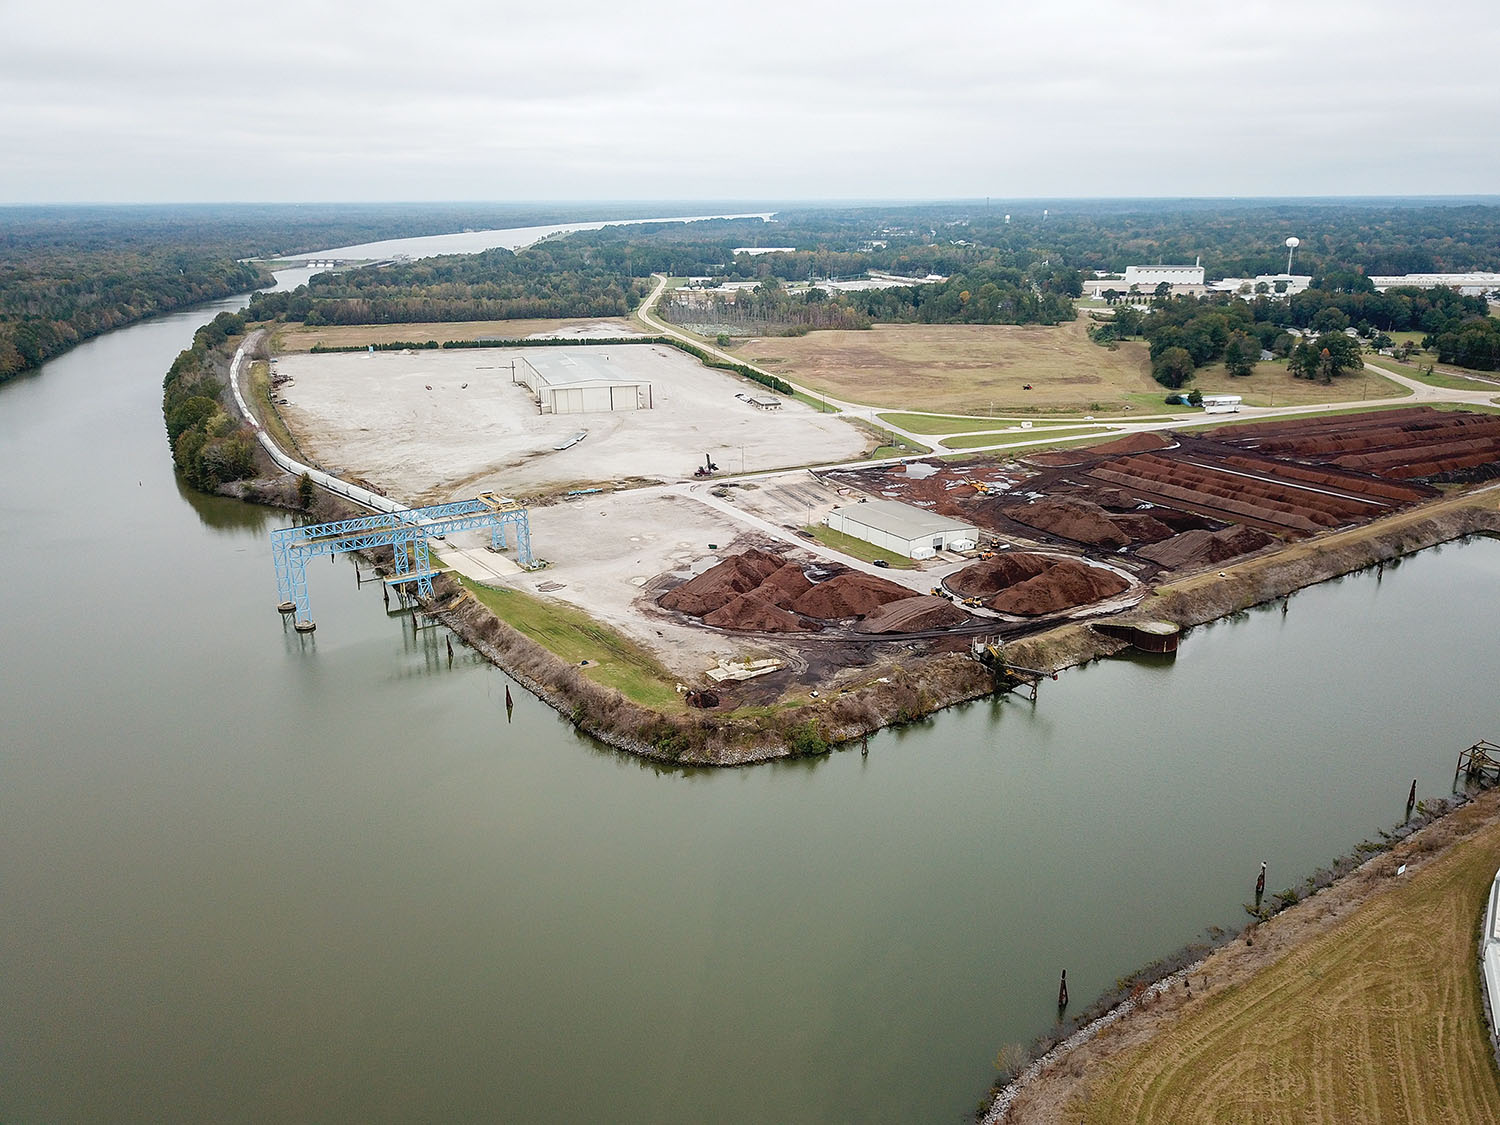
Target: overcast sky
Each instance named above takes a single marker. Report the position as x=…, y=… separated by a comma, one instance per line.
x=157, y=100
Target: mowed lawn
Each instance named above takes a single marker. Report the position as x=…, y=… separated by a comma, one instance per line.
x=300, y=338
x=961, y=368
x=1377, y=1019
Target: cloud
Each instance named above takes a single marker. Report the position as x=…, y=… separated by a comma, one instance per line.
x=166, y=101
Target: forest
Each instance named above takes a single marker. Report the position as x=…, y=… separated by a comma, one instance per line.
x=68, y=273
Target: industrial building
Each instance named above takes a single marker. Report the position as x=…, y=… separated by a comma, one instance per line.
x=562, y=384
x=902, y=529
x=1469, y=284
x=1149, y=277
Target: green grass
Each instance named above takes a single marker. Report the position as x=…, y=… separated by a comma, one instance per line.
x=857, y=548
x=975, y=441
x=954, y=423
x=573, y=635
x=259, y=397
x=818, y=404
x=1439, y=378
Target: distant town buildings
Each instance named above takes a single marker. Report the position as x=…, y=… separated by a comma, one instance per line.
x=1469, y=284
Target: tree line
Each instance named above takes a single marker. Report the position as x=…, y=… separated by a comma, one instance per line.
x=210, y=445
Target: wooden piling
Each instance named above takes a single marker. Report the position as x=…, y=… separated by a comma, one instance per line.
x=1062, y=994
x=1411, y=798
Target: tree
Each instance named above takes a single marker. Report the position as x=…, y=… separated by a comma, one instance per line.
x=305, y=492
x=1337, y=354
x=1240, y=353
x=1173, y=367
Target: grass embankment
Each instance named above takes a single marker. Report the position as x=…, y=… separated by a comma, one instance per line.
x=258, y=386
x=575, y=637
x=857, y=548
x=1370, y=1010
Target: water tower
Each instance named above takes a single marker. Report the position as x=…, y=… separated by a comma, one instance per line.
x=1291, y=248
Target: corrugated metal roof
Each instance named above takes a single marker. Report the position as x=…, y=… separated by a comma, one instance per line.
x=901, y=520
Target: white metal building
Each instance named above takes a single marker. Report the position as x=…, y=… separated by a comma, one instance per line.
x=902, y=529
x=1149, y=277
x=563, y=384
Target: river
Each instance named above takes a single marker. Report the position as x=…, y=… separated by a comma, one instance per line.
x=247, y=875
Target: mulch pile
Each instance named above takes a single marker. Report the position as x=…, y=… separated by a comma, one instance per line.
x=1030, y=585
x=849, y=595
x=913, y=615
x=1130, y=443
x=759, y=591
x=1080, y=520
x=1201, y=548
x=723, y=582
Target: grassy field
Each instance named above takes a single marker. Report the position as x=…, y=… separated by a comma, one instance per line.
x=955, y=424
x=1440, y=377
x=1376, y=1018
x=975, y=441
x=1270, y=384
x=300, y=338
x=575, y=636
x=962, y=368
x=856, y=548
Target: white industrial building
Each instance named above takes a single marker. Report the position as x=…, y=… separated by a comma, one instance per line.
x=1469, y=284
x=903, y=529
x=563, y=384
x=1149, y=277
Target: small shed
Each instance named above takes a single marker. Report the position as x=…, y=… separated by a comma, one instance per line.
x=903, y=529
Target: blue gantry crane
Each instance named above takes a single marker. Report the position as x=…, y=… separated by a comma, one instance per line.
x=406, y=532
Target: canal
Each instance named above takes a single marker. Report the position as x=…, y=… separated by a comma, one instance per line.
x=247, y=875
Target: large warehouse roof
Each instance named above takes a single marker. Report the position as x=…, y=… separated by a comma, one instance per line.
x=901, y=520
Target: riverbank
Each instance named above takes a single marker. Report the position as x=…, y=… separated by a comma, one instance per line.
x=896, y=693
x=1330, y=1010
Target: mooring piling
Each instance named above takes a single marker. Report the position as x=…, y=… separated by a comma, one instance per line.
x=1260, y=884
x=1411, y=798
x=1062, y=994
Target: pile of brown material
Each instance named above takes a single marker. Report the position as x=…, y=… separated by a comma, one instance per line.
x=913, y=615
x=849, y=595
x=1079, y=520
x=996, y=574
x=758, y=614
x=785, y=586
x=1130, y=443
x=1142, y=527
x=1202, y=548
x=1028, y=585
x=1064, y=585
x=722, y=583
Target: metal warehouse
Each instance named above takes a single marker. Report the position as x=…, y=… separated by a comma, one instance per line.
x=563, y=384
x=903, y=529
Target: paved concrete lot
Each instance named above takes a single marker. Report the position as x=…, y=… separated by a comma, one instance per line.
x=428, y=426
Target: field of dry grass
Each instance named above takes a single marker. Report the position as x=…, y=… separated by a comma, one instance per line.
x=1376, y=1019
x=984, y=369
x=300, y=338
x=1359, y=1004
x=961, y=368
